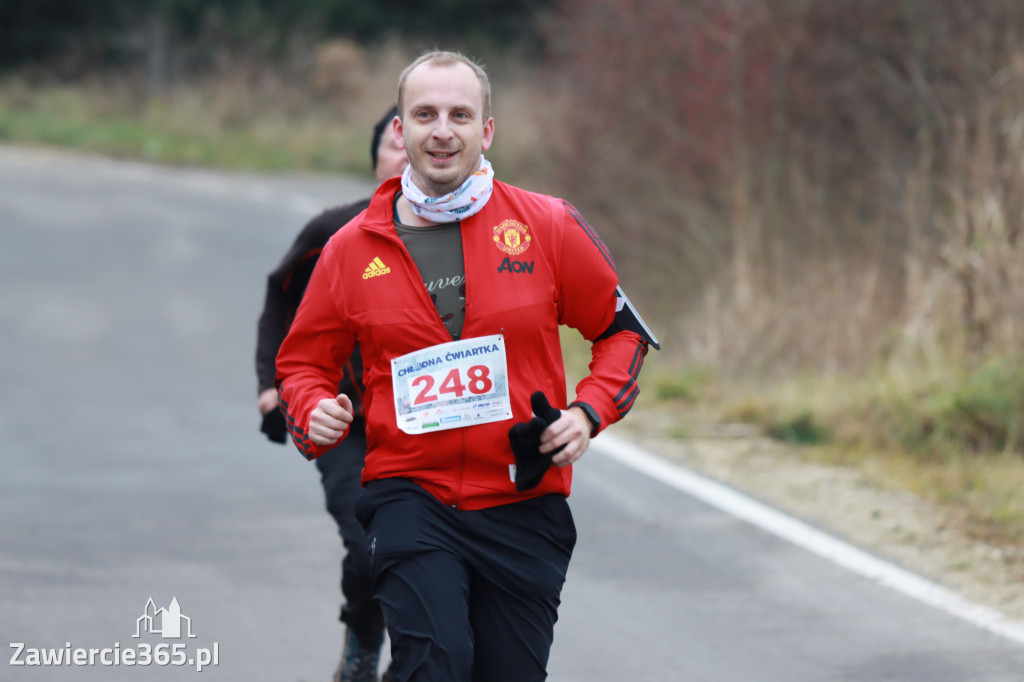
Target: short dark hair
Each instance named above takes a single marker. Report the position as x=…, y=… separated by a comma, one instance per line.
x=378, y=132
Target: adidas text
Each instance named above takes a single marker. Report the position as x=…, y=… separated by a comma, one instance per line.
x=376, y=268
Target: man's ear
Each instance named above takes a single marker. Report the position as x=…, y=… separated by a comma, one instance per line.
x=396, y=127
x=488, y=134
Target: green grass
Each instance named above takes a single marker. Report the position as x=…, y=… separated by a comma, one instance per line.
x=949, y=433
x=193, y=128
x=685, y=385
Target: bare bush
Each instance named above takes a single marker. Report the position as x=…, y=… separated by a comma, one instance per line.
x=815, y=184
x=340, y=71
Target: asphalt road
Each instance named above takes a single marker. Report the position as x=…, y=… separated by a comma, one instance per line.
x=131, y=468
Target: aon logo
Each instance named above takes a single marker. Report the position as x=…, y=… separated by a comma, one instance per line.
x=509, y=265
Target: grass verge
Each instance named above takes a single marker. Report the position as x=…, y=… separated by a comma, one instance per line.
x=950, y=434
x=196, y=126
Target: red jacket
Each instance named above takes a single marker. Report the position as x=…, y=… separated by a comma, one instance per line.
x=532, y=263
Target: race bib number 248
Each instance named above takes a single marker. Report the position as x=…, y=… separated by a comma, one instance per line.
x=430, y=388
x=452, y=385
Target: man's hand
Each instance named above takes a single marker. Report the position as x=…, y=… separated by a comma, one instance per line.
x=273, y=424
x=331, y=419
x=572, y=430
x=268, y=400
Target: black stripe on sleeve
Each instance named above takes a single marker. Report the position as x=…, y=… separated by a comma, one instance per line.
x=299, y=437
x=578, y=217
x=627, y=396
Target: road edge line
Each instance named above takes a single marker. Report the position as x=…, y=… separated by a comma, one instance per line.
x=804, y=535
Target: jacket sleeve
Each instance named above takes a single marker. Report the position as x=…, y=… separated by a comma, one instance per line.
x=312, y=357
x=286, y=284
x=279, y=306
x=587, y=302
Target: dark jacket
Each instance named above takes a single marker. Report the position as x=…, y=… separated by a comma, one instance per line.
x=285, y=287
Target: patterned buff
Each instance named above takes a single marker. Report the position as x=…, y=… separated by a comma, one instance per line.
x=469, y=198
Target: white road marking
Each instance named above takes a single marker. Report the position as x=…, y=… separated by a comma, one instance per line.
x=803, y=535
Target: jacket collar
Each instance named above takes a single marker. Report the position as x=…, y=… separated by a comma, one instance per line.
x=380, y=216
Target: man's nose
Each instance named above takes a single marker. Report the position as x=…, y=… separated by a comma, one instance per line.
x=441, y=130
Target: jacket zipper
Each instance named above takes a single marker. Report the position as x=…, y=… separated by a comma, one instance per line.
x=425, y=297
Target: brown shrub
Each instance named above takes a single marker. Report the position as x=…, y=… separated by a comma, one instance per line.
x=814, y=184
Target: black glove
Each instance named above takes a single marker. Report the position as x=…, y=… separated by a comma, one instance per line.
x=273, y=425
x=531, y=463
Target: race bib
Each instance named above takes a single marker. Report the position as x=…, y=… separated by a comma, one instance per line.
x=452, y=385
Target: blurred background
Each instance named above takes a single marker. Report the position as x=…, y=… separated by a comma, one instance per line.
x=818, y=205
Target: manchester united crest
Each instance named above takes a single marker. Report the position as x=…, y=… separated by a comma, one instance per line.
x=512, y=237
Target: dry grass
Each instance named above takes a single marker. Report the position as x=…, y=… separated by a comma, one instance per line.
x=905, y=430
x=313, y=115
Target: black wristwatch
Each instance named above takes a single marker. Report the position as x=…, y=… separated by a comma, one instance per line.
x=595, y=421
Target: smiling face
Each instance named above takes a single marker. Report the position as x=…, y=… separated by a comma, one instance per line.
x=443, y=128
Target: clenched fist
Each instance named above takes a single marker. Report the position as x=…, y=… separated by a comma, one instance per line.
x=330, y=420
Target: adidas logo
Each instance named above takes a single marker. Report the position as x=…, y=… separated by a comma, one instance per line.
x=376, y=268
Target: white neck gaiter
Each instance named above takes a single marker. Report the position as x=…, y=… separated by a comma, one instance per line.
x=469, y=198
